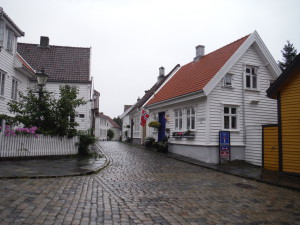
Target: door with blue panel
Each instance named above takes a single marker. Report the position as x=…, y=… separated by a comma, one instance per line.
x=162, y=128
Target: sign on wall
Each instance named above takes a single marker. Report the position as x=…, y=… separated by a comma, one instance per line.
x=224, y=146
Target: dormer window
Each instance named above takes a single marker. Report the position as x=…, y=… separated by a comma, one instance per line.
x=10, y=40
x=251, y=80
x=227, y=81
x=2, y=25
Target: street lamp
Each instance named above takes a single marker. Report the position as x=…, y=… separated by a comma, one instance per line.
x=41, y=79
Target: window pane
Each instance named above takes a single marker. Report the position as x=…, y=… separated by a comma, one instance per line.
x=248, y=70
x=180, y=113
x=226, y=122
x=2, y=84
x=254, y=82
x=188, y=123
x=176, y=124
x=193, y=111
x=233, y=122
x=226, y=110
x=233, y=110
x=248, y=82
x=180, y=124
x=193, y=123
x=13, y=89
x=188, y=112
x=176, y=113
x=228, y=80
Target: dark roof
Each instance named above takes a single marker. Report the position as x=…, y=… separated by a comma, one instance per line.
x=61, y=63
x=3, y=14
x=284, y=77
x=150, y=92
x=126, y=107
x=194, y=76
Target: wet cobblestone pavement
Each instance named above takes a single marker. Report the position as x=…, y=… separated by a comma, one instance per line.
x=143, y=187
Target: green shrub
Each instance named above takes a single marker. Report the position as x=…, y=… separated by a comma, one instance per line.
x=149, y=141
x=85, y=140
x=110, y=134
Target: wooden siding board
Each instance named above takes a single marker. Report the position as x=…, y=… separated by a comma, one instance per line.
x=271, y=157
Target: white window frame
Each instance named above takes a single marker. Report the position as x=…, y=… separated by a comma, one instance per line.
x=178, y=119
x=2, y=83
x=230, y=115
x=137, y=124
x=253, y=74
x=227, y=80
x=14, y=88
x=191, y=118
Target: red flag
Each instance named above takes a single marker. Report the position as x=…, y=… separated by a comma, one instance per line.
x=144, y=117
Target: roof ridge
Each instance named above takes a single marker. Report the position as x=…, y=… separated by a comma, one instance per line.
x=62, y=46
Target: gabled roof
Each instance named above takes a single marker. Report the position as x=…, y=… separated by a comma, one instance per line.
x=16, y=29
x=152, y=90
x=110, y=120
x=204, y=74
x=25, y=64
x=61, y=63
x=284, y=77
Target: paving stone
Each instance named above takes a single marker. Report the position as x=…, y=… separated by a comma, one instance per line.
x=143, y=187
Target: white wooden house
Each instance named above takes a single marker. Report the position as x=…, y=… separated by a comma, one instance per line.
x=103, y=124
x=15, y=72
x=125, y=122
x=63, y=65
x=224, y=90
x=137, y=132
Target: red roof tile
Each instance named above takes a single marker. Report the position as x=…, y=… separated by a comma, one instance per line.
x=63, y=64
x=193, y=76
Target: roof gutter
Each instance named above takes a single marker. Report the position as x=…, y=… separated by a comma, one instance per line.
x=181, y=98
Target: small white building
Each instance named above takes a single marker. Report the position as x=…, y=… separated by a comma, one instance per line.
x=15, y=72
x=102, y=124
x=125, y=130
x=63, y=65
x=224, y=90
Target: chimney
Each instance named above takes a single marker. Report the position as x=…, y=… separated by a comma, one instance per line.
x=44, y=42
x=138, y=99
x=200, y=51
x=161, y=74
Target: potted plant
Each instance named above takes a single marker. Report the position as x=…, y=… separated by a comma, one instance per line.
x=177, y=134
x=154, y=124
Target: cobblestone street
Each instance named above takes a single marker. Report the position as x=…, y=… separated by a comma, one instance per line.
x=144, y=187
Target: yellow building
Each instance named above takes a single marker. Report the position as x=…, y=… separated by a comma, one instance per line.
x=281, y=143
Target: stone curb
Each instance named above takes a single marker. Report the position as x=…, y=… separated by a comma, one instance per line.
x=89, y=170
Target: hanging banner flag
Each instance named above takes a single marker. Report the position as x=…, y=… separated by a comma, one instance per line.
x=144, y=118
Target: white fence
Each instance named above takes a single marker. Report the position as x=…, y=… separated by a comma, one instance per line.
x=26, y=146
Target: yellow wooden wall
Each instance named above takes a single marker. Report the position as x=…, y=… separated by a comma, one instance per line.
x=290, y=122
x=271, y=157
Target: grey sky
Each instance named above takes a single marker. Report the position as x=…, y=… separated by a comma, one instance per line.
x=131, y=39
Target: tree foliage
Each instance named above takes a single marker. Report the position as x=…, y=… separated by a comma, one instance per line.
x=50, y=115
x=110, y=134
x=288, y=54
x=118, y=121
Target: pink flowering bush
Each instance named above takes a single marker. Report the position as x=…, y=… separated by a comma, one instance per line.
x=20, y=131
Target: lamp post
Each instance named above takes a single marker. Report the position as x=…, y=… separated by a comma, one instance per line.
x=41, y=80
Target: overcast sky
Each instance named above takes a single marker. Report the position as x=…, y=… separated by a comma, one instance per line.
x=131, y=39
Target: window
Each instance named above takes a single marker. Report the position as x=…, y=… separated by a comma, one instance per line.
x=137, y=124
x=10, y=40
x=178, y=119
x=81, y=115
x=251, y=77
x=2, y=25
x=2, y=83
x=230, y=117
x=72, y=119
x=227, y=81
x=14, y=89
x=190, y=118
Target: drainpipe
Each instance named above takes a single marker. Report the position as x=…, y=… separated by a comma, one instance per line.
x=243, y=103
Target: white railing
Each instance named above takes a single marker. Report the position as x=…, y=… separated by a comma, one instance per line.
x=26, y=146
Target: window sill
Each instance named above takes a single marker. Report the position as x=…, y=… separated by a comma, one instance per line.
x=227, y=87
x=231, y=130
x=252, y=90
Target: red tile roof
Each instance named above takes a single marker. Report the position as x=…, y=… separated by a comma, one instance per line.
x=63, y=64
x=25, y=64
x=193, y=76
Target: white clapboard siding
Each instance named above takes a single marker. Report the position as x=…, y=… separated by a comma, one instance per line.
x=253, y=149
x=22, y=146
